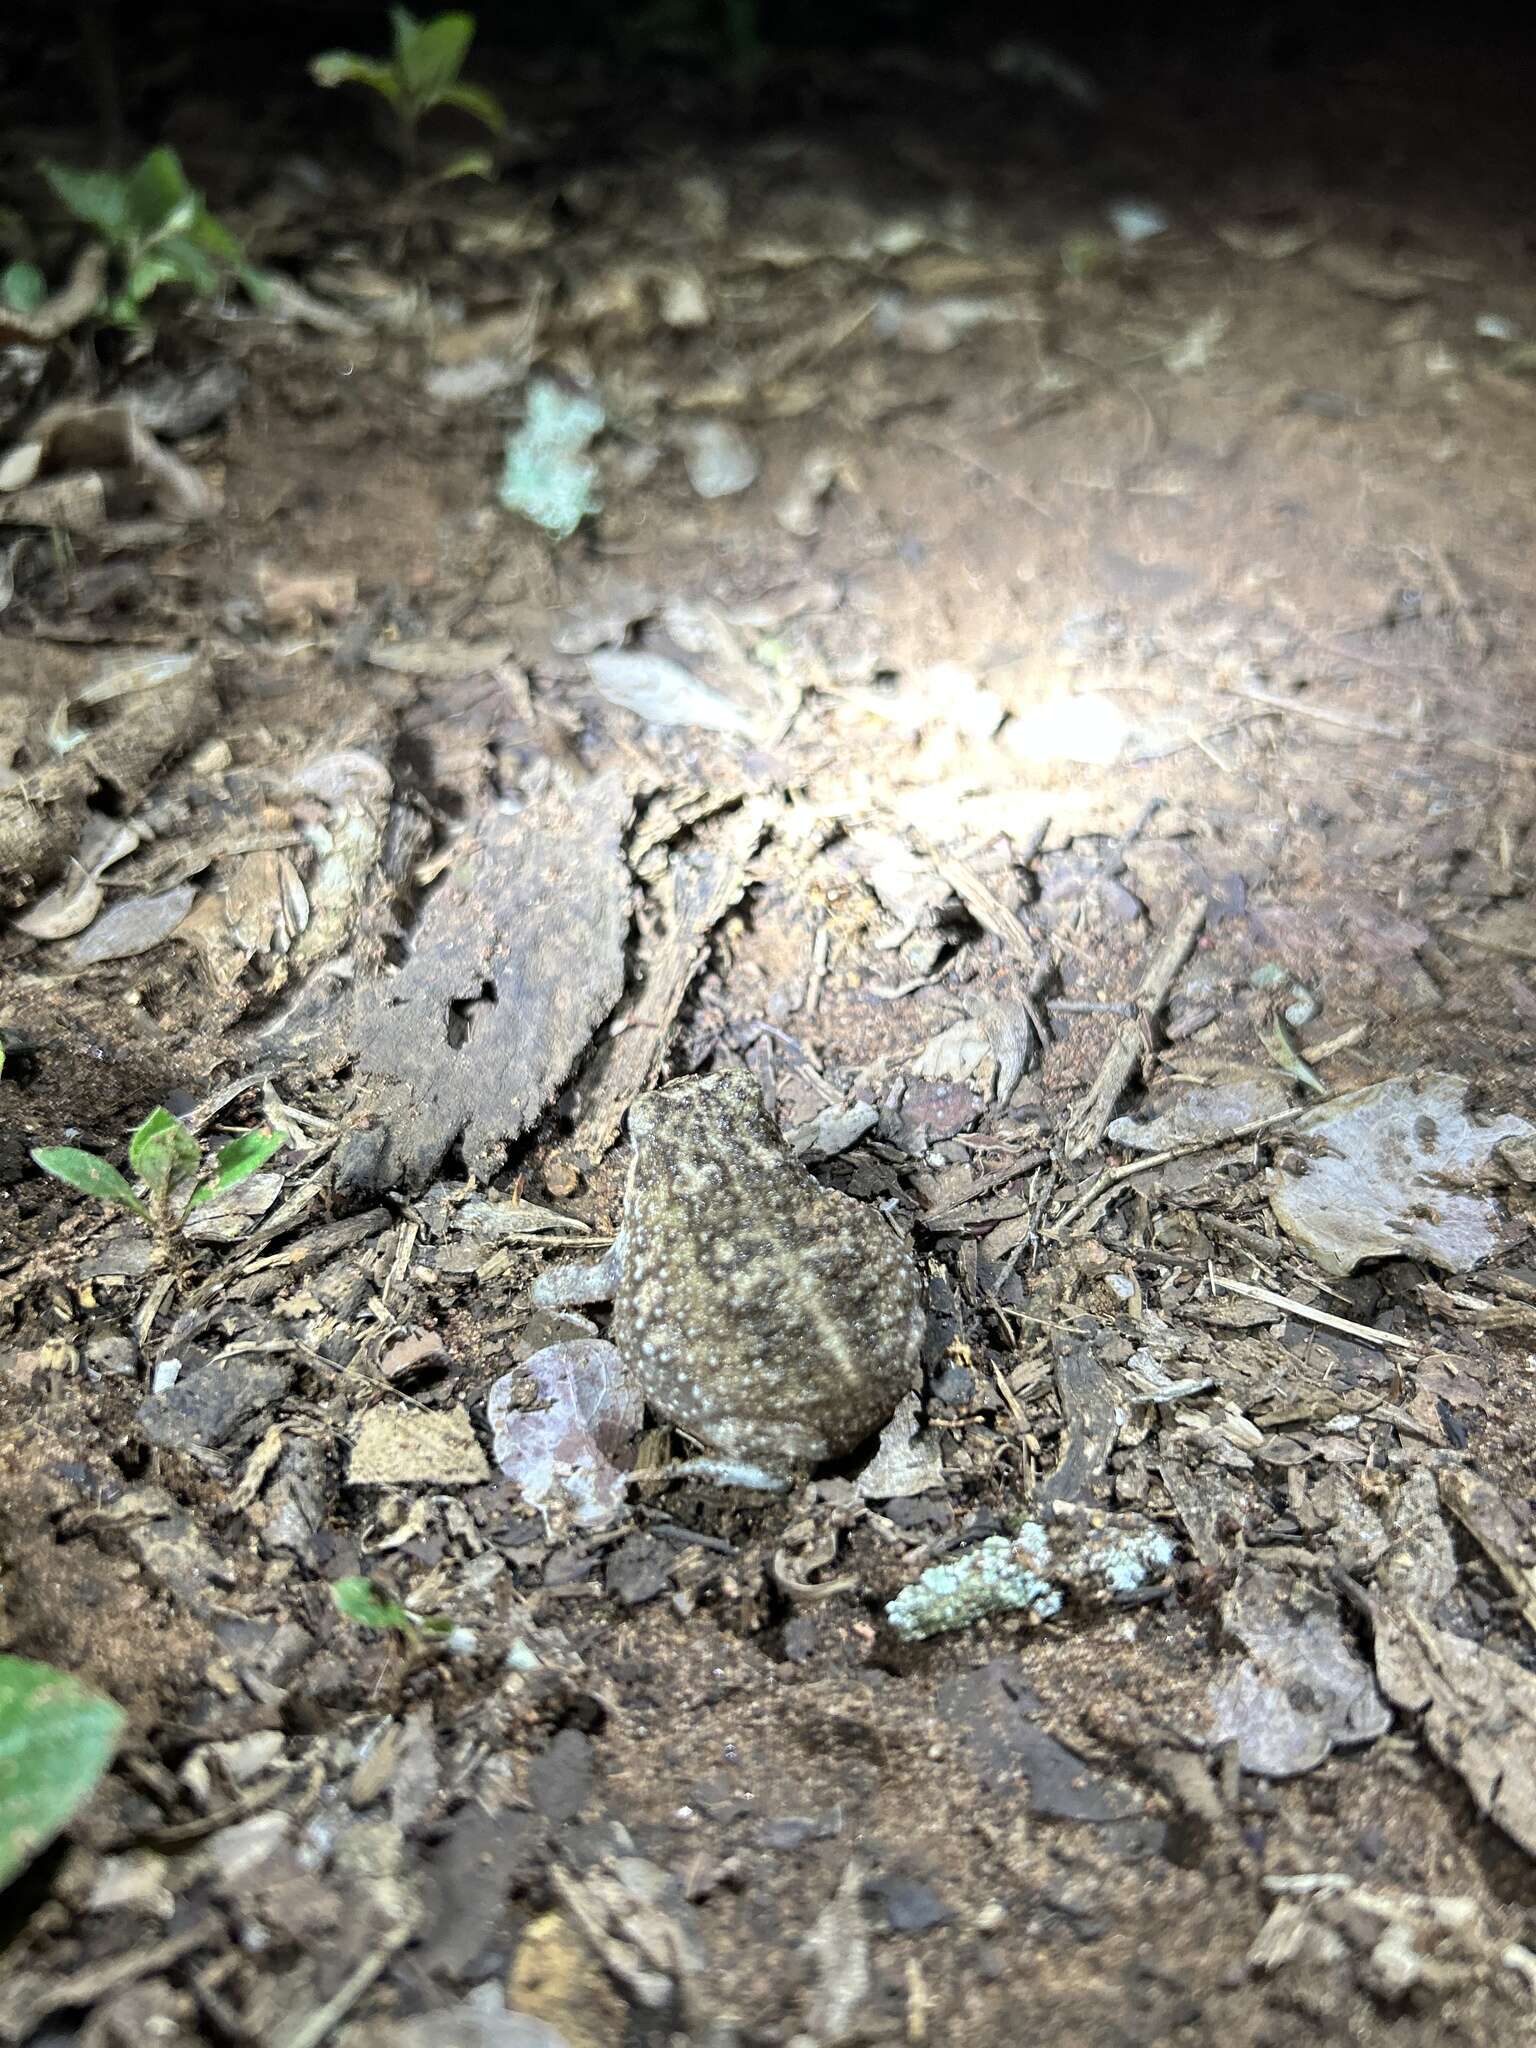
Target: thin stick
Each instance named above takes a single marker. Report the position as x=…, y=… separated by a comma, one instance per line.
x=67, y=308
x=1112, y=1176
x=1474, y=637
x=1376, y=729
x=1311, y=1315
x=309, y=2033
x=1091, y=1119
x=993, y=915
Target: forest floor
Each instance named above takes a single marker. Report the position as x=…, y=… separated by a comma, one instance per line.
x=1053, y=645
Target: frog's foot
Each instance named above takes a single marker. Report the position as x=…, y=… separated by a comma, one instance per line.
x=724, y=1472
x=566, y=1286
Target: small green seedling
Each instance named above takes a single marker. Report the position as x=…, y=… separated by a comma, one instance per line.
x=422, y=74
x=365, y=1607
x=23, y=287
x=56, y=1739
x=177, y=1177
x=157, y=231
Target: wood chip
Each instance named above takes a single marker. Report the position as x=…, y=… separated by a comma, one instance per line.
x=416, y=1446
x=517, y=959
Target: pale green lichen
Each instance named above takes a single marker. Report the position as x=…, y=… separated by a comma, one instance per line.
x=548, y=476
x=1033, y=1573
x=991, y=1579
x=1127, y=1562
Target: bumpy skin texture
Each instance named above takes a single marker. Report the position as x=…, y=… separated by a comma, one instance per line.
x=771, y=1320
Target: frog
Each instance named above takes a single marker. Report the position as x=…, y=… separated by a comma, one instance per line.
x=775, y=1322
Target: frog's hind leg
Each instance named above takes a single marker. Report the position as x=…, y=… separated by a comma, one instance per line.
x=566, y=1286
x=723, y=1472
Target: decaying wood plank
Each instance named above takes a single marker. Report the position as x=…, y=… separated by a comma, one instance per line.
x=516, y=960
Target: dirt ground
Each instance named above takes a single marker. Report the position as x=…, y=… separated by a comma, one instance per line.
x=1097, y=592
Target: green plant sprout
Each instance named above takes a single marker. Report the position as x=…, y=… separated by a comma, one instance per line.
x=365, y=1607
x=178, y=1178
x=57, y=1737
x=23, y=287
x=157, y=231
x=422, y=74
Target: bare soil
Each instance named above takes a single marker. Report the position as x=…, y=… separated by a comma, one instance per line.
x=1226, y=537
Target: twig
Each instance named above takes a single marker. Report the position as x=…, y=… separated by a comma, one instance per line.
x=994, y=916
x=1312, y=1315
x=1091, y=1119
x=1377, y=729
x=1341, y=1041
x=1383, y=662
x=1020, y=1164
x=983, y=469
x=1112, y=1176
x=311, y=2032
x=1477, y=639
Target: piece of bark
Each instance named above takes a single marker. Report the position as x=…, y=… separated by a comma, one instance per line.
x=72, y=504
x=516, y=960
x=1493, y=1524
x=1093, y=1413
x=1476, y=1706
x=698, y=888
x=994, y=916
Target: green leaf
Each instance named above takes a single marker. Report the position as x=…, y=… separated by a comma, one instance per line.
x=163, y=1151
x=147, y=276
x=342, y=67
x=1277, y=1039
x=405, y=27
x=23, y=287
x=214, y=239
x=99, y=198
x=485, y=106
x=237, y=1161
x=469, y=163
x=158, y=198
x=89, y=1175
x=430, y=57
x=56, y=1739
x=188, y=264
x=122, y=310
x=365, y=1608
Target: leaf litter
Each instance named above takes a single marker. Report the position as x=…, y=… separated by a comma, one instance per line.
x=1183, y=1459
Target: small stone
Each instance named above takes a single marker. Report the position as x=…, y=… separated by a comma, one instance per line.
x=560, y=1777
x=112, y=1351
x=911, y=1907
x=215, y=1404
x=719, y=459
x=792, y=1831
x=414, y=1446
x=638, y=1570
